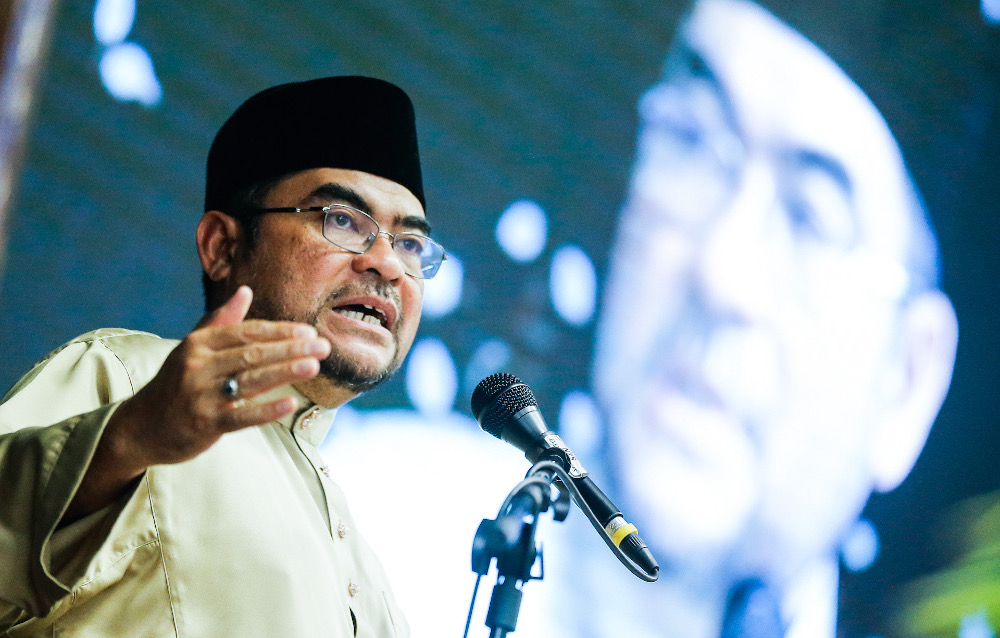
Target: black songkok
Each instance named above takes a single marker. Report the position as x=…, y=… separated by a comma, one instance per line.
x=349, y=122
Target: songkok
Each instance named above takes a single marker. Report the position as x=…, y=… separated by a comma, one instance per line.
x=348, y=122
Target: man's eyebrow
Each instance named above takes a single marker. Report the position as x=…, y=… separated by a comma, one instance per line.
x=684, y=65
x=800, y=162
x=341, y=193
x=347, y=195
x=699, y=68
x=833, y=168
x=413, y=222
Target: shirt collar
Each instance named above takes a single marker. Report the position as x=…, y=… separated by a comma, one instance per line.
x=310, y=421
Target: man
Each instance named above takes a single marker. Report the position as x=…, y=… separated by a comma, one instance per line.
x=152, y=488
x=773, y=345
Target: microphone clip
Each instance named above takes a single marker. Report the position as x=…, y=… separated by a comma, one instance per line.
x=510, y=539
x=551, y=447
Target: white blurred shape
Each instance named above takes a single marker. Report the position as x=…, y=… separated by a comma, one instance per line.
x=860, y=548
x=443, y=293
x=418, y=488
x=742, y=363
x=877, y=272
x=128, y=75
x=976, y=625
x=580, y=423
x=991, y=12
x=489, y=357
x=522, y=230
x=113, y=20
x=431, y=379
x=573, y=285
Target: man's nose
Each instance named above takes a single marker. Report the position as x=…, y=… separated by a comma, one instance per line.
x=733, y=267
x=381, y=258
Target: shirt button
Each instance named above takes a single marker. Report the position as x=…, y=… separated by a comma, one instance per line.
x=352, y=589
x=342, y=530
x=308, y=418
x=325, y=470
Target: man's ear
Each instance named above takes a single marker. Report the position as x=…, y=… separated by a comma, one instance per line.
x=928, y=341
x=218, y=237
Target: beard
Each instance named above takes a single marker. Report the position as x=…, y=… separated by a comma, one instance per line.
x=340, y=368
x=343, y=371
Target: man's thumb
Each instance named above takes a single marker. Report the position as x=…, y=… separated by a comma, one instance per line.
x=231, y=312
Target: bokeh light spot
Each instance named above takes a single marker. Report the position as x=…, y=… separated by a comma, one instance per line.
x=443, y=293
x=431, y=379
x=573, y=285
x=522, y=230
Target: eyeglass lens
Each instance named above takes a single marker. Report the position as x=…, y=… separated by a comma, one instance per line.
x=355, y=231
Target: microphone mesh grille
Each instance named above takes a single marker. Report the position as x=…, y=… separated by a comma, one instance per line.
x=496, y=407
x=488, y=388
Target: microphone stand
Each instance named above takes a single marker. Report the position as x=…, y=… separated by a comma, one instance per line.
x=510, y=539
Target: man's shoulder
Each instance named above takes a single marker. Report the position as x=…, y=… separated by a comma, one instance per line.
x=105, y=354
x=139, y=353
x=130, y=347
x=119, y=334
x=123, y=339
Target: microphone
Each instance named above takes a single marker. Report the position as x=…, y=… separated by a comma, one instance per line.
x=506, y=408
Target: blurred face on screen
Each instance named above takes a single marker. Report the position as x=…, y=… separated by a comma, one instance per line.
x=751, y=316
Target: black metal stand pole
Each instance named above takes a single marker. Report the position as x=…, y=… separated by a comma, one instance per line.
x=510, y=538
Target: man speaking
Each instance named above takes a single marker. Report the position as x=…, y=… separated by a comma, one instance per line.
x=156, y=488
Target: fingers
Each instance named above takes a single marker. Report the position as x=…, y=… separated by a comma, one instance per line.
x=247, y=415
x=257, y=381
x=261, y=367
x=261, y=355
x=183, y=411
x=225, y=326
x=251, y=331
x=257, y=355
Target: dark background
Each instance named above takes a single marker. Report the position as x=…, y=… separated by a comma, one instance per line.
x=515, y=99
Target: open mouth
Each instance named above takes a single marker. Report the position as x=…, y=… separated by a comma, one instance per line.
x=363, y=312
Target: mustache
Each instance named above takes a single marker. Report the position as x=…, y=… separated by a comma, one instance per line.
x=370, y=288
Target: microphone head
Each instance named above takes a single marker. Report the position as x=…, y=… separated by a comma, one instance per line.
x=489, y=388
x=497, y=398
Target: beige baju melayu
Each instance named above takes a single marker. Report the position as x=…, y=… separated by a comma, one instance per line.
x=251, y=538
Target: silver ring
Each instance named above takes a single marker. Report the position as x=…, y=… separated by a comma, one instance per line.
x=231, y=388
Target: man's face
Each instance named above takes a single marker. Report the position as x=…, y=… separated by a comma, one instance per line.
x=296, y=274
x=748, y=327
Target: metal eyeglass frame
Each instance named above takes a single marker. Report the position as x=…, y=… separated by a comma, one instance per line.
x=372, y=238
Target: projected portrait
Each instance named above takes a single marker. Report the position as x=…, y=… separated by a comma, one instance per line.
x=773, y=345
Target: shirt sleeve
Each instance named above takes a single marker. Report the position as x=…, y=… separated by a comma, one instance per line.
x=50, y=424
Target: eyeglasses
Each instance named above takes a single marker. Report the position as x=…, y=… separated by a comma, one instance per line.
x=356, y=231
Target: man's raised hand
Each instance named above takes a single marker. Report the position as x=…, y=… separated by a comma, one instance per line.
x=183, y=410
